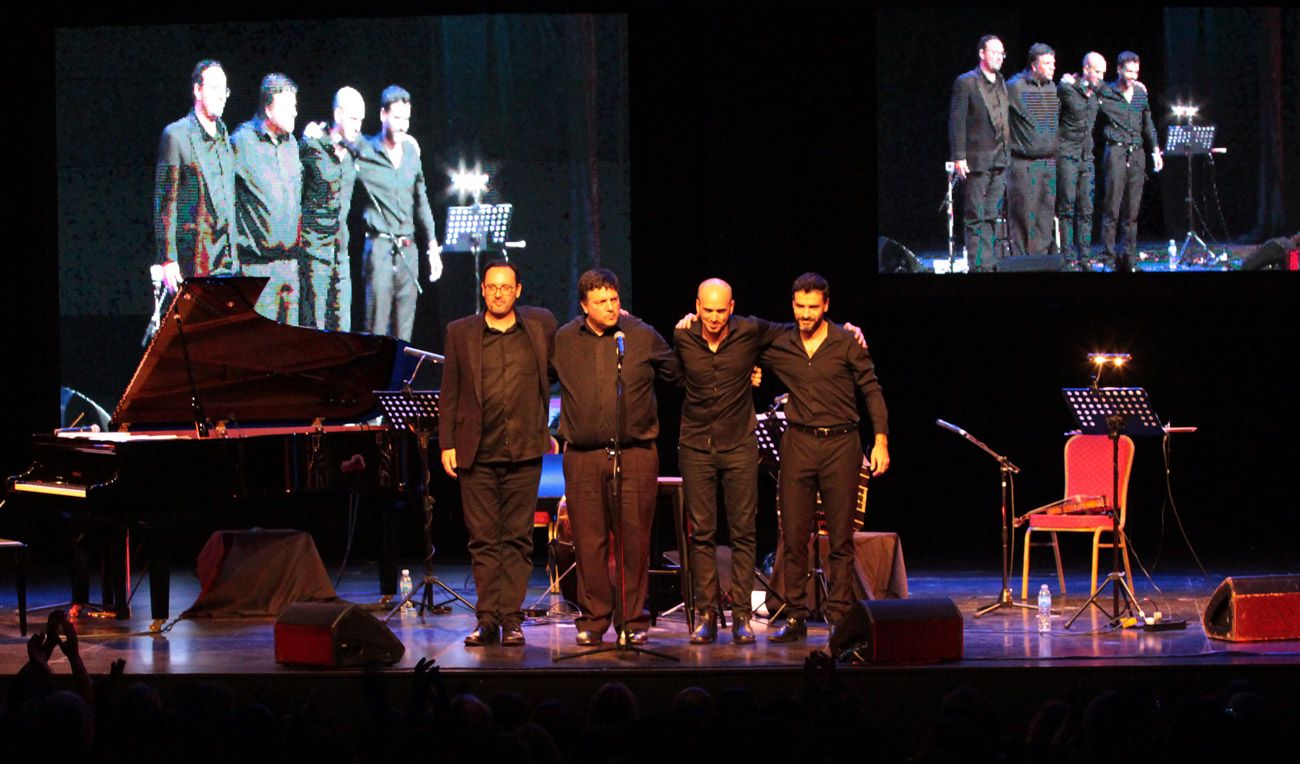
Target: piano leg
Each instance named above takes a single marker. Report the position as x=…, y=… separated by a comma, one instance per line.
x=159, y=580
x=80, y=583
x=117, y=574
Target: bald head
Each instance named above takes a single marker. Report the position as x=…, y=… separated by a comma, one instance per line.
x=349, y=113
x=713, y=305
x=714, y=290
x=1094, y=68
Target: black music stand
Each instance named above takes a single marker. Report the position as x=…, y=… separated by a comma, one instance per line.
x=770, y=426
x=417, y=411
x=1112, y=411
x=1190, y=140
x=473, y=228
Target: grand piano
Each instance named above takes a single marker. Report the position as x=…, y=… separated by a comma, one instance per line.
x=224, y=406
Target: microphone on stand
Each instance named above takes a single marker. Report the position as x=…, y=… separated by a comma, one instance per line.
x=619, y=338
x=950, y=426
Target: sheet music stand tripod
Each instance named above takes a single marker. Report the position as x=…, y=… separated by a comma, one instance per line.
x=417, y=411
x=475, y=227
x=1190, y=140
x=1112, y=411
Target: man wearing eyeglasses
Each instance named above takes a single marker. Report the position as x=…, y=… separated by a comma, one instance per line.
x=492, y=428
x=194, y=185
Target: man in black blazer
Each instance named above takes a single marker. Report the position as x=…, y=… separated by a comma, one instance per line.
x=492, y=428
x=979, y=134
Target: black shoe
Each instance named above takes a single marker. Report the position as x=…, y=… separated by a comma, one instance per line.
x=589, y=638
x=512, y=636
x=706, y=632
x=793, y=630
x=741, y=634
x=483, y=635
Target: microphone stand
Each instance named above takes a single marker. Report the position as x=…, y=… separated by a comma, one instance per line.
x=613, y=515
x=947, y=207
x=1005, y=469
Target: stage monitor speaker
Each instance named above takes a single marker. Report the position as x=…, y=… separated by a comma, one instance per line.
x=1025, y=263
x=1254, y=608
x=923, y=630
x=895, y=258
x=333, y=634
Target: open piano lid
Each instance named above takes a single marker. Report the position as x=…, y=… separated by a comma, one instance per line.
x=250, y=370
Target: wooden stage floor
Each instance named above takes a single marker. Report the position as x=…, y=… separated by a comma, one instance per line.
x=1004, y=655
x=1004, y=638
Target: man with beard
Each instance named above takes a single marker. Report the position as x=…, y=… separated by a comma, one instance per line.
x=492, y=427
x=824, y=368
x=194, y=185
x=390, y=170
x=979, y=135
x=1127, y=110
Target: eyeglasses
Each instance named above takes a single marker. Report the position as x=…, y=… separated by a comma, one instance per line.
x=214, y=90
x=499, y=288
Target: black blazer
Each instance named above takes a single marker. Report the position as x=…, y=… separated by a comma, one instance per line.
x=460, y=420
x=970, y=126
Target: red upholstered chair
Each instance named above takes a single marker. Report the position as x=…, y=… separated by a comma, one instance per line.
x=1088, y=474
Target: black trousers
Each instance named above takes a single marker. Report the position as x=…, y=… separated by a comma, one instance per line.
x=498, y=501
x=1076, y=180
x=1031, y=206
x=1125, y=167
x=588, y=478
x=391, y=276
x=830, y=465
x=736, y=471
x=326, y=290
x=981, y=196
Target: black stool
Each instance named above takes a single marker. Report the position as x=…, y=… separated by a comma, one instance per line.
x=19, y=550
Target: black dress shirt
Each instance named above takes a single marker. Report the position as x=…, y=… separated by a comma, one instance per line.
x=511, y=407
x=1128, y=122
x=718, y=410
x=194, y=198
x=1079, y=104
x=586, y=364
x=268, y=191
x=327, y=181
x=396, y=199
x=1035, y=109
x=822, y=388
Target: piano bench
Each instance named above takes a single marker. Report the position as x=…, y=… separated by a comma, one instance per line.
x=19, y=551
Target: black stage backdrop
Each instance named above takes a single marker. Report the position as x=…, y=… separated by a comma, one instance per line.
x=753, y=153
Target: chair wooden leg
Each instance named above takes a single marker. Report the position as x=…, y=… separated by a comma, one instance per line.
x=1123, y=548
x=1096, y=546
x=1060, y=571
x=1024, y=569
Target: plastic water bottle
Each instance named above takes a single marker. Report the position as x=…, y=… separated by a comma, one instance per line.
x=1173, y=255
x=404, y=587
x=1044, y=609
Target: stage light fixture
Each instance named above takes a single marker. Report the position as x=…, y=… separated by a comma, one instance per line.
x=1101, y=360
x=1185, y=112
x=1115, y=359
x=468, y=182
